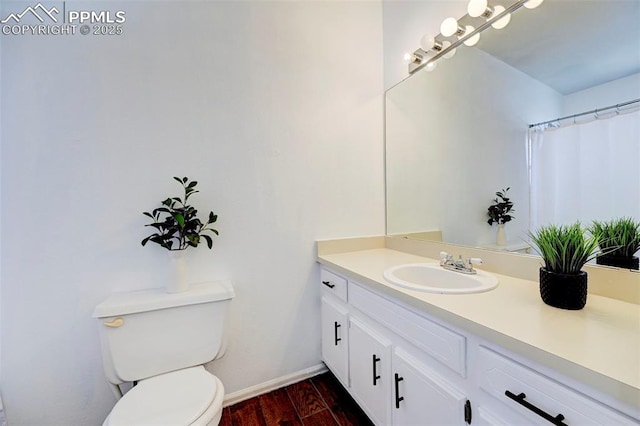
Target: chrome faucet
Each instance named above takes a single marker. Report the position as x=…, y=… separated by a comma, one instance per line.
x=464, y=266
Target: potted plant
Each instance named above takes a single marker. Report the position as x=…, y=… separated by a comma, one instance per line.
x=500, y=212
x=564, y=249
x=619, y=240
x=178, y=227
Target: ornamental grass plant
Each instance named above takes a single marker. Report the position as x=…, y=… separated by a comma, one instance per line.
x=564, y=248
x=617, y=237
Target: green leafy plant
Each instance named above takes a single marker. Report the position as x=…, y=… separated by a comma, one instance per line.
x=565, y=248
x=499, y=211
x=176, y=222
x=618, y=237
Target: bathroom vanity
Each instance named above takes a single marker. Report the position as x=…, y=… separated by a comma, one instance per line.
x=498, y=357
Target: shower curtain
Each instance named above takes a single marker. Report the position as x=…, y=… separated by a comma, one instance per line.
x=585, y=171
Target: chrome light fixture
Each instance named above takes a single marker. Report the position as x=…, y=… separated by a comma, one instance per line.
x=481, y=8
x=466, y=30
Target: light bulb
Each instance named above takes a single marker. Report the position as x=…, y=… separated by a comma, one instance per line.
x=450, y=54
x=502, y=22
x=449, y=27
x=430, y=66
x=532, y=4
x=428, y=43
x=477, y=8
x=407, y=58
x=472, y=40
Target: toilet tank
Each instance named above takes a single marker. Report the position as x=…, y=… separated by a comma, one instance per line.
x=150, y=332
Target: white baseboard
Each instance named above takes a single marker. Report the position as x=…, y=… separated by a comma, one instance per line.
x=271, y=385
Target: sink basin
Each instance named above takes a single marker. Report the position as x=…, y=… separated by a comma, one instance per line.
x=432, y=278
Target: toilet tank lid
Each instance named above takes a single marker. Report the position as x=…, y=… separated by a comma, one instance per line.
x=157, y=298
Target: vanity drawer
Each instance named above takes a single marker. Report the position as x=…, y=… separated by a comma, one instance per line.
x=535, y=396
x=334, y=284
x=446, y=346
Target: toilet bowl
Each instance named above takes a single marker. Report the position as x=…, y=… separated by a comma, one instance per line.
x=161, y=341
x=191, y=396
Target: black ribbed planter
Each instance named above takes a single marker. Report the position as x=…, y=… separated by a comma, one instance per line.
x=564, y=291
x=619, y=261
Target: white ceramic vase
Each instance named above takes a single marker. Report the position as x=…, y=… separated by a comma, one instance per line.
x=501, y=236
x=177, y=274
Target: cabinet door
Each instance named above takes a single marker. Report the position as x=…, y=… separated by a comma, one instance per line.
x=370, y=370
x=421, y=396
x=335, y=338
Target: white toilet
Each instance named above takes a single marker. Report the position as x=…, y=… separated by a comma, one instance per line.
x=161, y=340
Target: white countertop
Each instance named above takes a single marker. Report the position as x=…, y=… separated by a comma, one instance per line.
x=598, y=345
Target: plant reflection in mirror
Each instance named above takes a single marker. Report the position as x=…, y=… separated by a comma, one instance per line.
x=499, y=211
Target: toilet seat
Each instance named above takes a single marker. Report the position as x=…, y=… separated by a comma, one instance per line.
x=191, y=396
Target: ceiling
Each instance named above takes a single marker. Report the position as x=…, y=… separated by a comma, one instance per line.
x=571, y=45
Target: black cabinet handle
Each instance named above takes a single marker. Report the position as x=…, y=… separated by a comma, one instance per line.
x=375, y=373
x=336, y=326
x=328, y=284
x=557, y=420
x=399, y=398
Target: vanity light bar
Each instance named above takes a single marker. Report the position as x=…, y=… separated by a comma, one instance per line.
x=421, y=58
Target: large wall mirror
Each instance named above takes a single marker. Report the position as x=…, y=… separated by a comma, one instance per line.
x=458, y=134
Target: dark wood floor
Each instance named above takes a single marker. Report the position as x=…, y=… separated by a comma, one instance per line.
x=319, y=401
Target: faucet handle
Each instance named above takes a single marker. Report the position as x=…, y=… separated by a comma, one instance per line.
x=444, y=257
x=475, y=261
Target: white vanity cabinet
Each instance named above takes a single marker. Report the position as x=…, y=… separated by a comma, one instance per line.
x=406, y=367
x=422, y=396
x=370, y=369
x=383, y=373
x=335, y=338
x=334, y=324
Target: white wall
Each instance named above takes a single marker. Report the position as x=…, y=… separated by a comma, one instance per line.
x=611, y=93
x=275, y=108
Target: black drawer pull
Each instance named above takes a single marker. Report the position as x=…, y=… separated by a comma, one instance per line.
x=328, y=284
x=467, y=412
x=336, y=326
x=399, y=398
x=557, y=420
x=375, y=373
